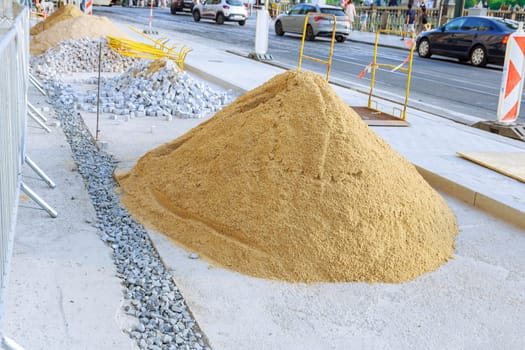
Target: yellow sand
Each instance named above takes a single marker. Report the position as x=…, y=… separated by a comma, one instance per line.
x=61, y=14
x=288, y=183
x=74, y=28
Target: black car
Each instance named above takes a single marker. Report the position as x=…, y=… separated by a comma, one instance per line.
x=477, y=39
x=181, y=6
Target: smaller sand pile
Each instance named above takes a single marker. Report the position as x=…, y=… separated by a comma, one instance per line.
x=74, y=28
x=61, y=14
x=287, y=182
x=82, y=55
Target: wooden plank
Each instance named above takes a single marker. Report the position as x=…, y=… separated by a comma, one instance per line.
x=511, y=164
x=374, y=117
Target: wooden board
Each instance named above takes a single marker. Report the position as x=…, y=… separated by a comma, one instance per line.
x=373, y=117
x=511, y=164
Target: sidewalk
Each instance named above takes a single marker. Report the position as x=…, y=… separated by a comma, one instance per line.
x=64, y=293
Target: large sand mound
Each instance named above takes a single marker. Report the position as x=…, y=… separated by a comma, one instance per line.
x=288, y=183
x=74, y=28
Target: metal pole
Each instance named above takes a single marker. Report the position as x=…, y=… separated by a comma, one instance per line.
x=37, y=111
x=409, y=77
x=150, y=16
x=37, y=85
x=38, y=121
x=39, y=171
x=52, y=212
x=98, y=90
x=374, y=66
x=9, y=344
x=302, y=42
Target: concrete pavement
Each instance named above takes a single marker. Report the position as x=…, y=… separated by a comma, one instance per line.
x=58, y=297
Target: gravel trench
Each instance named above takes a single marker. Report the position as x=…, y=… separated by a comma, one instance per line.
x=163, y=318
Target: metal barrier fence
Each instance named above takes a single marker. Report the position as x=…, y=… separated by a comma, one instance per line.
x=391, y=18
x=14, y=51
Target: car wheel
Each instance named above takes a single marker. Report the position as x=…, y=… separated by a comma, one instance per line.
x=340, y=38
x=241, y=23
x=279, y=28
x=478, y=56
x=423, y=49
x=220, y=18
x=196, y=16
x=310, y=33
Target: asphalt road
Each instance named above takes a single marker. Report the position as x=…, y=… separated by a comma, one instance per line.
x=440, y=86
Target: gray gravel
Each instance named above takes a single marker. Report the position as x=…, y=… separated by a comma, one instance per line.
x=163, y=318
x=80, y=55
x=161, y=92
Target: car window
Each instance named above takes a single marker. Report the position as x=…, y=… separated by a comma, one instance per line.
x=507, y=23
x=214, y=2
x=234, y=2
x=470, y=24
x=485, y=25
x=476, y=24
x=308, y=8
x=296, y=10
x=330, y=11
x=455, y=24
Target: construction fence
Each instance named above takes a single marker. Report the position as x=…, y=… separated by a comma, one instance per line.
x=14, y=52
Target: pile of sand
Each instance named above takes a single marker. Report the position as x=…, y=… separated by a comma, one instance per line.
x=74, y=28
x=288, y=183
x=63, y=13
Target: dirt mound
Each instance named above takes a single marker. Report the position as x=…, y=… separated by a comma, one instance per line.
x=74, y=28
x=288, y=183
x=63, y=13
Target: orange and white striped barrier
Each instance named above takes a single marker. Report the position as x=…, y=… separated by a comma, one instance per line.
x=513, y=76
x=88, y=10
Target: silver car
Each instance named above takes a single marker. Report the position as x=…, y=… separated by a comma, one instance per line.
x=221, y=11
x=293, y=22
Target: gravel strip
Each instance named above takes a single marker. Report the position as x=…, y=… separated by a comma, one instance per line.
x=163, y=318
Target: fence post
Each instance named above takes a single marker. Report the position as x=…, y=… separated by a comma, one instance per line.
x=14, y=55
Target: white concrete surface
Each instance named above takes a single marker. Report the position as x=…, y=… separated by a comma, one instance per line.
x=476, y=301
x=64, y=293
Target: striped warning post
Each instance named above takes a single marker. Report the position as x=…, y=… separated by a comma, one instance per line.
x=512, y=81
x=89, y=7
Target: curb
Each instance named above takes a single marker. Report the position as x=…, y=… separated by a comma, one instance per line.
x=473, y=198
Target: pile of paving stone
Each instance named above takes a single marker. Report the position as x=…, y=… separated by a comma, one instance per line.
x=139, y=91
x=161, y=92
x=79, y=56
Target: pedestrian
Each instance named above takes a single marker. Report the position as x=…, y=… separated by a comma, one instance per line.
x=408, y=26
x=351, y=13
x=422, y=19
x=362, y=21
x=422, y=6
